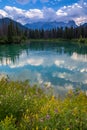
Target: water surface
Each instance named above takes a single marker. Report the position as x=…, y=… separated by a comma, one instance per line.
x=60, y=65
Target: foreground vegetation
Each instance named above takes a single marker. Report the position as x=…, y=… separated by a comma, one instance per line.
x=28, y=108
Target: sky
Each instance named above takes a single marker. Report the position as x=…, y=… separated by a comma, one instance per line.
x=28, y=11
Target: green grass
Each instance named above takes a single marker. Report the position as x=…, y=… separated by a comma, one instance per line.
x=80, y=41
x=25, y=107
x=14, y=40
x=22, y=39
x=49, y=40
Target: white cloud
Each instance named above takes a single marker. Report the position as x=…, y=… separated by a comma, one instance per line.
x=74, y=68
x=59, y=62
x=69, y=87
x=35, y=62
x=3, y=13
x=49, y=14
x=23, y=16
x=61, y=13
x=77, y=57
x=15, y=13
x=76, y=12
x=32, y=13
x=76, y=77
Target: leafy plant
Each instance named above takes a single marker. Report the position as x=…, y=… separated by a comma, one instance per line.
x=25, y=107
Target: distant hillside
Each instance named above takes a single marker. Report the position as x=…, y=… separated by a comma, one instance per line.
x=6, y=21
x=12, y=31
x=50, y=25
x=84, y=25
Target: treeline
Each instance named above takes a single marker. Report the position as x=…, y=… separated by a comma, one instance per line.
x=64, y=33
x=13, y=32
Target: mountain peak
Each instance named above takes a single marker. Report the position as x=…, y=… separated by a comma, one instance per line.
x=50, y=25
x=72, y=22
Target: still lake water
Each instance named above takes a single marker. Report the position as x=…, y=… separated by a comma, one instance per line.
x=60, y=65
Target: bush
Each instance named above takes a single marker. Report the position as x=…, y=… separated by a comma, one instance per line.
x=25, y=107
x=3, y=40
x=8, y=124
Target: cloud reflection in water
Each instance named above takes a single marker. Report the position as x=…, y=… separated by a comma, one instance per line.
x=59, y=70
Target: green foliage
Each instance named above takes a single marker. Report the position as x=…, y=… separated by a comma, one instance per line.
x=8, y=124
x=25, y=107
x=16, y=39
x=82, y=40
x=3, y=39
x=10, y=33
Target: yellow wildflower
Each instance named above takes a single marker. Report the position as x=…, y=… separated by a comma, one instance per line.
x=68, y=129
x=36, y=127
x=37, y=116
x=45, y=128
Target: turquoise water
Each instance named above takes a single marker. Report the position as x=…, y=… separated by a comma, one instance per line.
x=60, y=65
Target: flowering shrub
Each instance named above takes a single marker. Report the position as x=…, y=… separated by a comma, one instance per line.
x=25, y=107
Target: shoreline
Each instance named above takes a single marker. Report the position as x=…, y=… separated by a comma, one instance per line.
x=82, y=41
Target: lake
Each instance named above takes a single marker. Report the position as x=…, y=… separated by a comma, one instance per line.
x=60, y=65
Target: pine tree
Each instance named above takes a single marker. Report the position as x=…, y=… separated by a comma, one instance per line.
x=11, y=32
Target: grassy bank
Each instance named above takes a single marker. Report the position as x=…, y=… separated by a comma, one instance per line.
x=19, y=40
x=23, y=107
x=48, y=40
x=22, y=39
x=13, y=40
x=81, y=41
